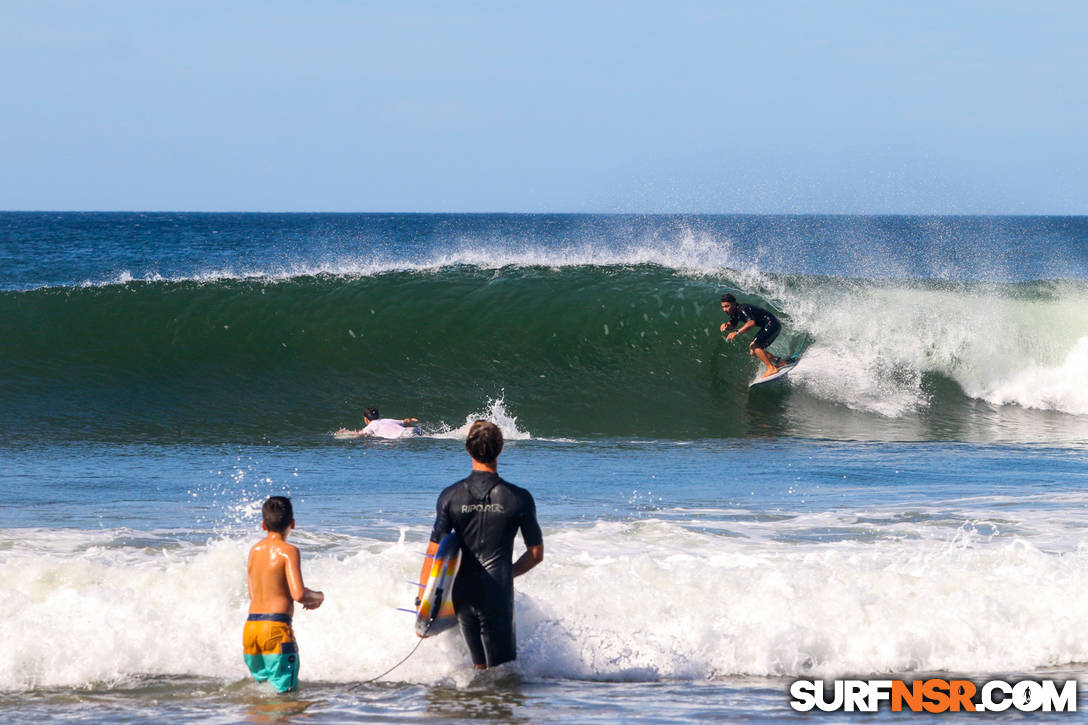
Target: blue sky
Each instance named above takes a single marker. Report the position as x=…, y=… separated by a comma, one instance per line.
x=711, y=107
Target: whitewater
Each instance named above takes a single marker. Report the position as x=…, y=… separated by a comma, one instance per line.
x=863, y=610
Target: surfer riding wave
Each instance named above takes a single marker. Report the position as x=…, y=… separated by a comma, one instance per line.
x=753, y=316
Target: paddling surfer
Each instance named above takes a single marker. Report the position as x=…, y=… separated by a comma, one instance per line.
x=374, y=425
x=753, y=316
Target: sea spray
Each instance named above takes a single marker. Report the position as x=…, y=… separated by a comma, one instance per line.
x=495, y=411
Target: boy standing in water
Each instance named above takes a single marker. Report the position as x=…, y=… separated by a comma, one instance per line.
x=275, y=584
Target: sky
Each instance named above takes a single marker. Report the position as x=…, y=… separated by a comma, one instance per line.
x=769, y=107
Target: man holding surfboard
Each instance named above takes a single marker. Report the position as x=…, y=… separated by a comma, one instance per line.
x=487, y=513
x=753, y=316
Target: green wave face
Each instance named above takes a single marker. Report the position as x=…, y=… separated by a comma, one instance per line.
x=573, y=352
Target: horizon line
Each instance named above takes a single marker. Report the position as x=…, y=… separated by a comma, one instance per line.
x=554, y=213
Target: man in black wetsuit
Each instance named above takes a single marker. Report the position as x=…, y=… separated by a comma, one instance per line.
x=753, y=317
x=487, y=512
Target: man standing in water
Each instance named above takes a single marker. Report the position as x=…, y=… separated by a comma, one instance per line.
x=753, y=317
x=487, y=512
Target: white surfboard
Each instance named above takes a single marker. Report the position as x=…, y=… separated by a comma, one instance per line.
x=348, y=435
x=783, y=371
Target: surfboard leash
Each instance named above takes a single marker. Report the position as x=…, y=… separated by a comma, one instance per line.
x=372, y=679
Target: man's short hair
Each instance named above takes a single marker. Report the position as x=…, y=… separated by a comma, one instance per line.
x=484, y=442
x=372, y=413
x=728, y=298
x=278, y=514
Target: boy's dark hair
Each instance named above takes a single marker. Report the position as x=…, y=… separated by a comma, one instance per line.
x=728, y=298
x=278, y=514
x=484, y=442
x=372, y=413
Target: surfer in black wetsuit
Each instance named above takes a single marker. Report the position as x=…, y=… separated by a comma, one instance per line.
x=487, y=512
x=753, y=317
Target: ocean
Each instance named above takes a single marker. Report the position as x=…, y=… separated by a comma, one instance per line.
x=913, y=502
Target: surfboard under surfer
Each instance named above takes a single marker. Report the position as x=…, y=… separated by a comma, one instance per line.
x=753, y=316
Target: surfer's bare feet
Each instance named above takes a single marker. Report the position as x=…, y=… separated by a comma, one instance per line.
x=770, y=372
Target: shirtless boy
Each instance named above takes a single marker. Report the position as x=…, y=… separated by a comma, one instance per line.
x=275, y=584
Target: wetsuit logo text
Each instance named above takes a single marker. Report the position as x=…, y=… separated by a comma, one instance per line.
x=487, y=507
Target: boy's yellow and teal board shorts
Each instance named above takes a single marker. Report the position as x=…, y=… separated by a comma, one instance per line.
x=271, y=652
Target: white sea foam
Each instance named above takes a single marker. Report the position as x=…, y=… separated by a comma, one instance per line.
x=1061, y=387
x=495, y=411
x=875, y=344
x=636, y=600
